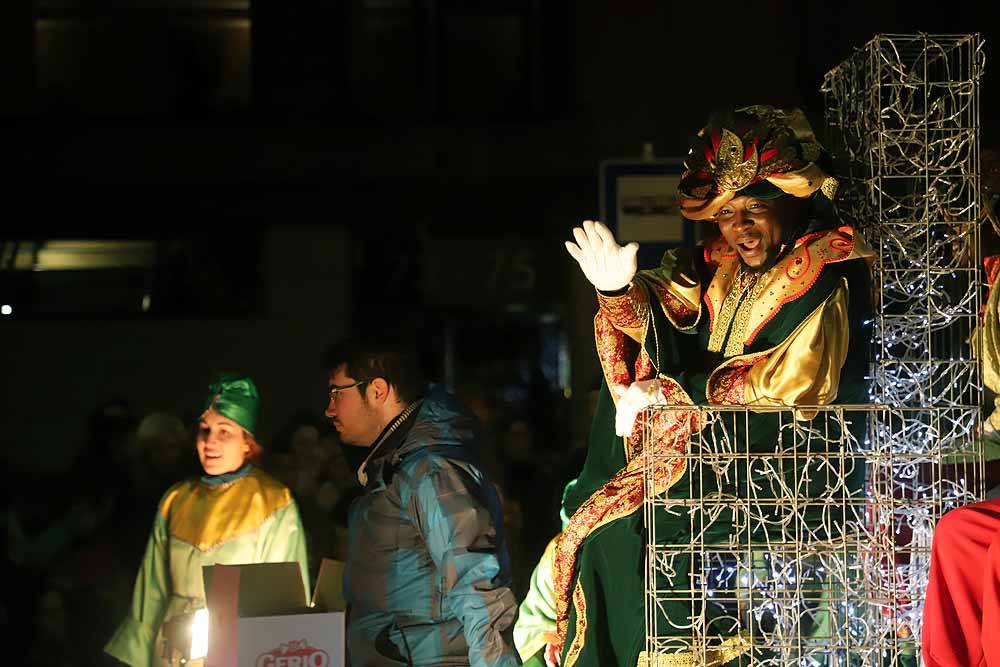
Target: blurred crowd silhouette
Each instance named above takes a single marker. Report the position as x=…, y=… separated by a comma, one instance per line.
x=73, y=543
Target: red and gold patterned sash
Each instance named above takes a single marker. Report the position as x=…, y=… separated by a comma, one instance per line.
x=623, y=362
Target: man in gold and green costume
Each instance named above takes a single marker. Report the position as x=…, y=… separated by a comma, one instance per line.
x=773, y=312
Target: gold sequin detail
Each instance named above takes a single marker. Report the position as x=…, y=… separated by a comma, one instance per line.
x=734, y=346
x=627, y=311
x=829, y=187
x=580, y=602
x=732, y=172
x=624, y=492
x=730, y=649
x=745, y=280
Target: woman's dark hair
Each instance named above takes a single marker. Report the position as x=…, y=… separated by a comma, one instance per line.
x=365, y=359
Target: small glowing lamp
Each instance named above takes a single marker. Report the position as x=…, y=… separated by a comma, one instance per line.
x=199, y=635
x=187, y=636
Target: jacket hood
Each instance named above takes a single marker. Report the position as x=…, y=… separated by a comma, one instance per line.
x=441, y=422
x=441, y=425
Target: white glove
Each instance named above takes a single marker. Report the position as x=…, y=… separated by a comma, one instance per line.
x=607, y=265
x=634, y=399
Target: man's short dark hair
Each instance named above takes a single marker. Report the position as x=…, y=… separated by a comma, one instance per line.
x=365, y=359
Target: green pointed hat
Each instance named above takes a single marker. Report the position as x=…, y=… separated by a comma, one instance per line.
x=235, y=397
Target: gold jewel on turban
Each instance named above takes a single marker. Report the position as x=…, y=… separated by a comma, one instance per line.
x=759, y=151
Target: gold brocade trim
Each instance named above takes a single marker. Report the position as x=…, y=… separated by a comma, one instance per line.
x=622, y=359
x=644, y=369
x=795, y=275
x=626, y=311
x=732, y=171
x=625, y=361
x=792, y=371
x=730, y=376
x=616, y=353
x=741, y=282
x=622, y=494
x=829, y=187
x=676, y=309
x=618, y=498
x=786, y=281
x=674, y=285
x=205, y=516
x=734, y=344
x=730, y=649
x=579, y=636
x=731, y=387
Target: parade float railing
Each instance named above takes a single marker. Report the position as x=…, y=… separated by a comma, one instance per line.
x=802, y=536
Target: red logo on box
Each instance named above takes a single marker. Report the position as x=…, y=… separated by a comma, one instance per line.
x=294, y=654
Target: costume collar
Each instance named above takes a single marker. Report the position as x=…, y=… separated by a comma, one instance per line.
x=789, y=279
x=226, y=477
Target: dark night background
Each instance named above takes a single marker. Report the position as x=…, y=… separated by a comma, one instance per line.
x=287, y=173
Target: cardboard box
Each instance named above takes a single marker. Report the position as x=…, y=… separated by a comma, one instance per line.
x=259, y=616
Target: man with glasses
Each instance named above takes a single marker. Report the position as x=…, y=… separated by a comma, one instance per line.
x=428, y=575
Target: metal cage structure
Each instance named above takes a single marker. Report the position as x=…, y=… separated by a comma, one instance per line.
x=802, y=536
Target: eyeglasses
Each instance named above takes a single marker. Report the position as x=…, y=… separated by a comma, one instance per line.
x=335, y=390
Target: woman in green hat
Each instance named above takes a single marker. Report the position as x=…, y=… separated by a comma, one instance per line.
x=233, y=514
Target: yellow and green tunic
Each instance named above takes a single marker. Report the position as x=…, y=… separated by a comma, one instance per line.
x=241, y=517
x=536, y=617
x=713, y=334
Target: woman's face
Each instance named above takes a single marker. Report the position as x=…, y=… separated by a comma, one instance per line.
x=221, y=445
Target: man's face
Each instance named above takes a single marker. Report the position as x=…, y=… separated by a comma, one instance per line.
x=754, y=228
x=350, y=413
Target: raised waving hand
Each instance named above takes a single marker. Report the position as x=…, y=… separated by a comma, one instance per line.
x=607, y=265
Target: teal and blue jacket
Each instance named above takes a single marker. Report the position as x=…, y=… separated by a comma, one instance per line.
x=428, y=576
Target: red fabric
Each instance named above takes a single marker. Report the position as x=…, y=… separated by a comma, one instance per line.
x=991, y=604
x=992, y=265
x=961, y=625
